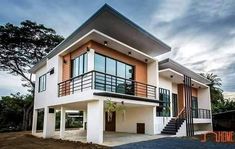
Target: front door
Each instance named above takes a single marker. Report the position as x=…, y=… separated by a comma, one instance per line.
x=174, y=105
x=111, y=124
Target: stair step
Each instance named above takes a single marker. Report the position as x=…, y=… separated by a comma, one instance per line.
x=167, y=129
x=168, y=132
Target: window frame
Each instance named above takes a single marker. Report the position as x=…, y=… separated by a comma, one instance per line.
x=39, y=83
x=83, y=66
x=116, y=60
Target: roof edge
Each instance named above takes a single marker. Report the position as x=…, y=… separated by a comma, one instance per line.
x=187, y=69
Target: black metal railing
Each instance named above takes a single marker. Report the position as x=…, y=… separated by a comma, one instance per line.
x=201, y=113
x=106, y=82
x=180, y=118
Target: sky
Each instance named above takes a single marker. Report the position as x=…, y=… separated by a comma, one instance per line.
x=201, y=33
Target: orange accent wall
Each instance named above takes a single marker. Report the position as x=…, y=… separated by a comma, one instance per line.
x=194, y=92
x=181, y=96
x=140, y=67
x=66, y=73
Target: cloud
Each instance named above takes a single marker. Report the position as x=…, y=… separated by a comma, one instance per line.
x=202, y=36
x=201, y=33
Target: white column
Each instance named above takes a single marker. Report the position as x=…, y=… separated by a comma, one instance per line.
x=84, y=118
x=153, y=75
x=95, y=111
x=91, y=59
x=34, y=125
x=62, y=122
x=49, y=123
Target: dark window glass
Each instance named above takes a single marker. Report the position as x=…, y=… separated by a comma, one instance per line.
x=164, y=108
x=42, y=83
x=99, y=63
x=114, y=68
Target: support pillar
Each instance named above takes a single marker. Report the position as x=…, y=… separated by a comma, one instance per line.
x=62, y=122
x=95, y=111
x=35, y=118
x=84, y=119
x=49, y=122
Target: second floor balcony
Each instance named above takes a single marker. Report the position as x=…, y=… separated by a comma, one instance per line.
x=96, y=80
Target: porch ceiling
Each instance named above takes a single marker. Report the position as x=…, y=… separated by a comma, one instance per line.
x=178, y=78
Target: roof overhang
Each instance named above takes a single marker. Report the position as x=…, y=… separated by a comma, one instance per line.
x=178, y=78
x=115, y=25
x=170, y=65
x=100, y=37
x=112, y=23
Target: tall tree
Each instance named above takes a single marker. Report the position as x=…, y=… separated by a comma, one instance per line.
x=215, y=87
x=22, y=47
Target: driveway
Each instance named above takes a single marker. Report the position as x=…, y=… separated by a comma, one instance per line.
x=176, y=143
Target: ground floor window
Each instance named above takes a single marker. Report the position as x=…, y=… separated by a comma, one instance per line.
x=164, y=108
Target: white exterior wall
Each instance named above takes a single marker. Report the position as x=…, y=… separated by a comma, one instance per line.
x=153, y=75
x=95, y=110
x=134, y=115
x=160, y=123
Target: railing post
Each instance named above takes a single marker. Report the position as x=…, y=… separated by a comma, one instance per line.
x=81, y=82
x=92, y=80
x=73, y=86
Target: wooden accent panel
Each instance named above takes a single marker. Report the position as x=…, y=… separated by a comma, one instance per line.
x=66, y=67
x=180, y=97
x=194, y=92
x=66, y=73
x=140, y=67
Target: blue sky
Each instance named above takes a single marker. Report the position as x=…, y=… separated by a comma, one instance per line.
x=201, y=33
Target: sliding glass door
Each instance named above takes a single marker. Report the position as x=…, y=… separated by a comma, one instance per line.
x=115, y=75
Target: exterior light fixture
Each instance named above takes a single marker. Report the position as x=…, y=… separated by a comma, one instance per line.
x=192, y=84
x=129, y=53
x=105, y=43
x=64, y=61
x=146, y=60
x=87, y=49
x=171, y=76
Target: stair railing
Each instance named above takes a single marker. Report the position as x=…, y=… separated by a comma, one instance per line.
x=179, y=118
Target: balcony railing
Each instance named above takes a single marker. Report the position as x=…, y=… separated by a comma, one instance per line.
x=201, y=113
x=106, y=82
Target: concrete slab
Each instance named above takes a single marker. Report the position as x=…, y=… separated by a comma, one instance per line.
x=110, y=138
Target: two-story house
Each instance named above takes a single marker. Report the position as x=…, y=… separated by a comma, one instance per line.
x=111, y=58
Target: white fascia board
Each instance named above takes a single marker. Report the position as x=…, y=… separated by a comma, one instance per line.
x=180, y=74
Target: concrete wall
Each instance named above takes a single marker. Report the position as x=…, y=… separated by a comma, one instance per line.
x=134, y=115
x=160, y=123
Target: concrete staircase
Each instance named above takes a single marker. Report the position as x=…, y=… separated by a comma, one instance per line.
x=174, y=124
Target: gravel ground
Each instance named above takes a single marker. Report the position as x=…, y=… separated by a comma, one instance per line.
x=176, y=143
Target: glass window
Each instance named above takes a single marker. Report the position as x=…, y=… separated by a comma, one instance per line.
x=129, y=72
x=113, y=68
x=164, y=108
x=42, y=83
x=110, y=66
x=99, y=63
x=121, y=69
x=79, y=65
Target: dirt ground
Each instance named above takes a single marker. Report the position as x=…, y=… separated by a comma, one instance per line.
x=24, y=140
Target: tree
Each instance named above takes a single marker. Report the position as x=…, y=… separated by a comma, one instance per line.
x=215, y=90
x=11, y=111
x=22, y=47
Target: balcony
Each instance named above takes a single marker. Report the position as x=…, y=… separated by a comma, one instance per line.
x=201, y=113
x=107, y=83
